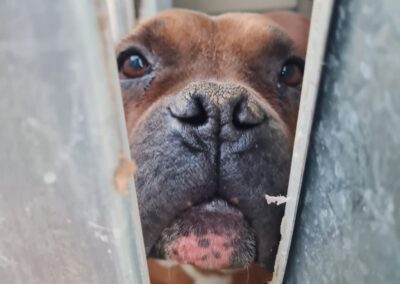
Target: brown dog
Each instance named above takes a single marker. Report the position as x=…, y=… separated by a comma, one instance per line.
x=211, y=106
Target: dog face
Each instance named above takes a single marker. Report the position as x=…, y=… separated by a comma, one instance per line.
x=211, y=106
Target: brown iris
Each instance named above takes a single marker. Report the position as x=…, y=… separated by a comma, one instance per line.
x=292, y=73
x=135, y=66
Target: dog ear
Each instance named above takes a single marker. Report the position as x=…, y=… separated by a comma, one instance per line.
x=295, y=25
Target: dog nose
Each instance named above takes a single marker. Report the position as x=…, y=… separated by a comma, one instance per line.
x=235, y=109
x=245, y=117
x=191, y=113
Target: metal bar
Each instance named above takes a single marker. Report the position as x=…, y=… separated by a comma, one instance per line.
x=121, y=17
x=348, y=224
x=320, y=20
x=63, y=144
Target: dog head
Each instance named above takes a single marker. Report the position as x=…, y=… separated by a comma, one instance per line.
x=211, y=106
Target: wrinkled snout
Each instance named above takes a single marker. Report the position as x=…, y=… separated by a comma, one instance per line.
x=211, y=149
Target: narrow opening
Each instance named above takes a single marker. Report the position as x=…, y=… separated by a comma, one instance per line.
x=175, y=183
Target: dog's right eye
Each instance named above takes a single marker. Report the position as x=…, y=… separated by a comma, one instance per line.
x=133, y=65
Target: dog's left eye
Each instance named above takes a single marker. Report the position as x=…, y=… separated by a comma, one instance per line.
x=133, y=65
x=291, y=73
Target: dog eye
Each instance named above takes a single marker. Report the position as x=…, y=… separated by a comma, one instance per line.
x=291, y=73
x=132, y=64
x=135, y=66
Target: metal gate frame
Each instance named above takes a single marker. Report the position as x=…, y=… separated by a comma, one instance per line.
x=320, y=23
x=63, y=217
x=68, y=210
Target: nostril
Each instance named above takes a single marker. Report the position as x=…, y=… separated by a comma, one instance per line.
x=193, y=113
x=246, y=116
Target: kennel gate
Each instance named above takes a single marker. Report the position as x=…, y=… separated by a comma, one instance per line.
x=63, y=136
x=348, y=222
x=63, y=143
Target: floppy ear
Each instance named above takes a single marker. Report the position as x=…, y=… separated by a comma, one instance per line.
x=295, y=25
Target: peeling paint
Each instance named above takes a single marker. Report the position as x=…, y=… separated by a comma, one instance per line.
x=278, y=200
x=123, y=174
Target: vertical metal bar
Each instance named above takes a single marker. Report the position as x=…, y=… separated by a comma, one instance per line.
x=121, y=17
x=319, y=28
x=348, y=224
x=63, y=141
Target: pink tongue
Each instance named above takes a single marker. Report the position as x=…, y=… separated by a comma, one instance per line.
x=209, y=251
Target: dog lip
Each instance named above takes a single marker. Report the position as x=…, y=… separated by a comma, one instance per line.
x=217, y=220
x=218, y=205
x=215, y=204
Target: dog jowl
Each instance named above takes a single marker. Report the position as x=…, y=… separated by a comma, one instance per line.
x=211, y=106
